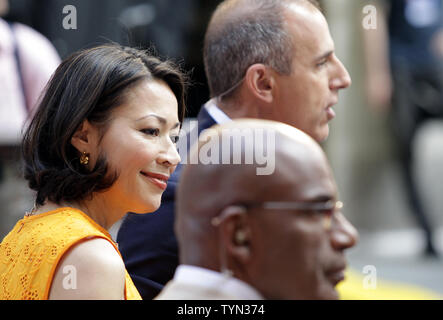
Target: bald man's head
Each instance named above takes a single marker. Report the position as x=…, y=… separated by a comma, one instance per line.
x=205, y=189
x=282, y=233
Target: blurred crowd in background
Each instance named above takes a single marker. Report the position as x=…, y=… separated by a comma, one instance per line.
x=386, y=144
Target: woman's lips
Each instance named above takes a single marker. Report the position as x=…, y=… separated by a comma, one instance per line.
x=159, y=180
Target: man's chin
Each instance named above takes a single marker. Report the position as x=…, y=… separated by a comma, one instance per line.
x=322, y=134
x=329, y=293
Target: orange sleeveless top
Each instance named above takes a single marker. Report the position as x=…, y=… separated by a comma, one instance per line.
x=30, y=253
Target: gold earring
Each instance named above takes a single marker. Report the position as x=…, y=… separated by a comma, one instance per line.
x=84, y=158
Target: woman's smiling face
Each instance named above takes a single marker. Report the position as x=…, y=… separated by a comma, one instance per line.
x=139, y=145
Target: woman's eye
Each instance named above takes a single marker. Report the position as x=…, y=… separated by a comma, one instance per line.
x=151, y=132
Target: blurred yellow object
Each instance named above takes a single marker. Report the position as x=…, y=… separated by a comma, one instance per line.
x=352, y=288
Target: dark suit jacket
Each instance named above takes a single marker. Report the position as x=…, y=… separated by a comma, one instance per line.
x=147, y=241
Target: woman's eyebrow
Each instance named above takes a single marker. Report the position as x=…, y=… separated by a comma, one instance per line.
x=162, y=120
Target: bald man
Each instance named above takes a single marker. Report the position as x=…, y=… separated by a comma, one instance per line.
x=264, y=59
x=243, y=235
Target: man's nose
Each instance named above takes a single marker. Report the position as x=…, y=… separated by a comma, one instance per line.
x=343, y=233
x=341, y=78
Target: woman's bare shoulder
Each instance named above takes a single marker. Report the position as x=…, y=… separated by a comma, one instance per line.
x=92, y=269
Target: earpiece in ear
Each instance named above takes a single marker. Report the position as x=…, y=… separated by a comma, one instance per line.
x=240, y=237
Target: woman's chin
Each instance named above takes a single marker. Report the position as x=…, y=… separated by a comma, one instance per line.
x=148, y=207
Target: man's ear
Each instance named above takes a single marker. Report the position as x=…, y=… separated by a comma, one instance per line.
x=85, y=137
x=261, y=82
x=236, y=234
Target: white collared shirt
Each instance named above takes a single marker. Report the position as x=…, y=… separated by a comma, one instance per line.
x=190, y=275
x=216, y=113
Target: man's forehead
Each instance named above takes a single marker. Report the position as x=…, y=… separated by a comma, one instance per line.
x=305, y=176
x=309, y=28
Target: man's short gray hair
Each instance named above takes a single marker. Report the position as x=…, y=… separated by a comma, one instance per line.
x=242, y=33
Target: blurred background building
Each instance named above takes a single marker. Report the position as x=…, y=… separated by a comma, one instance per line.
x=361, y=146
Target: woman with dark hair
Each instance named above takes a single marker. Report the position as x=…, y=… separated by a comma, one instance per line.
x=102, y=143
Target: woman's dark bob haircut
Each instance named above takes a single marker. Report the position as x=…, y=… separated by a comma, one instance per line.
x=87, y=85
